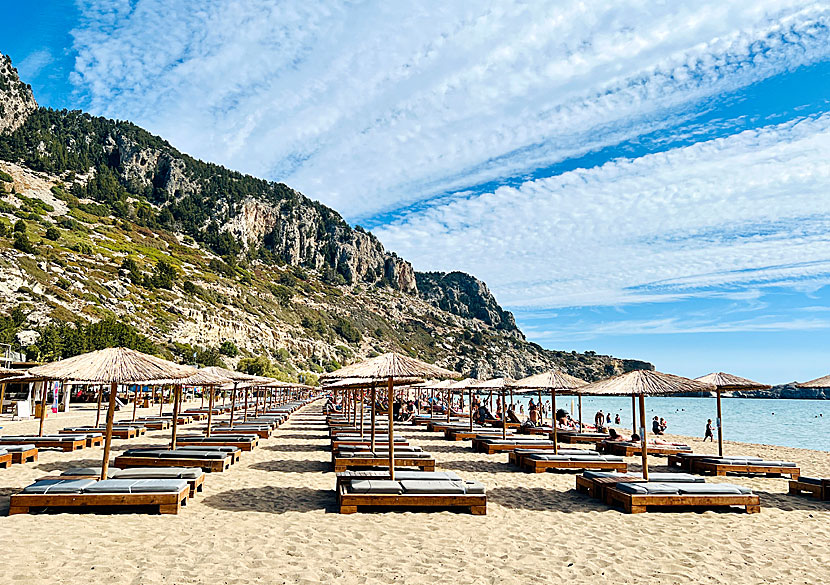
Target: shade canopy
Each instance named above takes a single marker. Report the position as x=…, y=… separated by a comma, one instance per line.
x=645, y=383
x=550, y=380
x=436, y=385
x=358, y=383
x=7, y=373
x=113, y=365
x=391, y=365
x=723, y=381
x=823, y=382
x=199, y=377
x=492, y=384
x=231, y=375
x=463, y=384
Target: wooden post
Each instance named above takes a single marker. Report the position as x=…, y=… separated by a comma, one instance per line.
x=580, y=412
x=449, y=404
x=541, y=416
x=2, y=395
x=135, y=401
x=43, y=407
x=245, y=412
x=391, y=435
x=362, y=408
x=643, y=437
x=720, y=426
x=431, y=403
x=553, y=422
x=161, y=402
x=98, y=411
x=105, y=463
x=256, y=402
x=177, y=393
x=372, y=447
x=470, y=396
x=503, y=417
x=233, y=402
x=210, y=408
x=633, y=415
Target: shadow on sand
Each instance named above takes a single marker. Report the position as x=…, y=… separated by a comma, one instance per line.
x=295, y=447
x=274, y=500
x=292, y=466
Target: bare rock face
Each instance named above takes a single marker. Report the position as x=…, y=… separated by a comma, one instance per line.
x=16, y=99
x=466, y=296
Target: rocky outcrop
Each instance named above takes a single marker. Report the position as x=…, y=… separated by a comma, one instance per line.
x=16, y=99
x=466, y=296
x=790, y=390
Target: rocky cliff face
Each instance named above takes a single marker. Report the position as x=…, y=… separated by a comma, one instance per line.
x=465, y=295
x=16, y=99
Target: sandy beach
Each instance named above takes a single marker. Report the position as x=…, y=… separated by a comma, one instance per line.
x=272, y=519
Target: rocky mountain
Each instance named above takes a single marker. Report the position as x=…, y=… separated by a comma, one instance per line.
x=102, y=221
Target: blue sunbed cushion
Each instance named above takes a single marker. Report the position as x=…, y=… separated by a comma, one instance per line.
x=427, y=475
x=810, y=480
x=712, y=488
x=158, y=473
x=474, y=487
x=136, y=486
x=18, y=448
x=416, y=486
x=88, y=471
x=59, y=486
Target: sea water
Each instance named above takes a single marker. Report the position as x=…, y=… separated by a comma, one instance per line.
x=789, y=423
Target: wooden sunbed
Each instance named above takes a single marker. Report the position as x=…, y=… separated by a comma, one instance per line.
x=719, y=468
x=482, y=446
x=639, y=503
x=816, y=487
x=236, y=430
x=195, y=484
x=24, y=456
x=66, y=445
x=465, y=434
x=629, y=450
x=541, y=466
x=516, y=456
x=336, y=444
x=117, y=432
x=5, y=461
x=350, y=503
x=345, y=463
x=247, y=445
x=210, y=465
x=168, y=503
x=575, y=437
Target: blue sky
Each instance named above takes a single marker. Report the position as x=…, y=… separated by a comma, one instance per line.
x=644, y=179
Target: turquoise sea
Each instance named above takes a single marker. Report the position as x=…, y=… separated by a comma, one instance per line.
x=790, y=423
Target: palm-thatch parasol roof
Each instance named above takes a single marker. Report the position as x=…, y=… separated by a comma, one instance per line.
x=723, y=381
x=550, y=380
x=113, y=365
x=436, y=384
x=823, y=382
x=463, y=384
x=231, y=375
x=7, y=373
x=391, y=365
x=645, y=383
x=493, y=384
x=199, y=377
x=358, y=383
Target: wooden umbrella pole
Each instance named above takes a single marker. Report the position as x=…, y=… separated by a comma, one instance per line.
x=643, y=436
x=553, y=422
x=503, y=417
x=105, y=463
x=432, y=403
x=470, y=395
x=449, y=404
x=43, y=407
x=177, y=392
x=541, y=418
x=233, y=402
x=98, y=411
x=720, y=426
x=210, y=408
x=256, y=402
x=372, y=447
x=391, y=435
x=2, y=395
x=161, y=402
x=580, y=412
x=633, y=415
x=135, y=402
x=362, y=409
x=245, y=411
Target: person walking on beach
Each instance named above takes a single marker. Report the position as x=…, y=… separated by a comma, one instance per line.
x=617, y=419
x=655, y=426
x=709, y=433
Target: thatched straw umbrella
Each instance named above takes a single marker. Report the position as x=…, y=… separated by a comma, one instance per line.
x=498, y=384
x=726, y=382
x=391, y=366
x=642, y=383
x=552, y=380
x=113, y=366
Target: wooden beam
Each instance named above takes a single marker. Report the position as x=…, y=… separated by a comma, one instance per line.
x=108, y=436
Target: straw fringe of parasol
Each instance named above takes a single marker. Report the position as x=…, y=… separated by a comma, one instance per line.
x=391, y=365
x=724, y=381
x=645, y=383
x=116, y=365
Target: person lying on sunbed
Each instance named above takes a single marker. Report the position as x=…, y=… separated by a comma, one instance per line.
x=614, y=436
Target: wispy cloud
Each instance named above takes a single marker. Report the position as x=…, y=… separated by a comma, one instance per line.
x=374, y=106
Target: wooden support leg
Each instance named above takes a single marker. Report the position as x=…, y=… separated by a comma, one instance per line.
x=348, y=509
x=18, y=510
x=632, y=509
x=753, y=509
x=478, y=510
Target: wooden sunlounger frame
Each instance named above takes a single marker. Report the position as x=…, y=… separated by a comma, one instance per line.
x=168, y=503
x=66, y=446
x=639, y=503
x=820, y=491
x=344, y=463
x=196, y=485
x=539, y=466
x=200, y=442
x=481, y=446
x=27, y=456
x=262, y=434
x=703, y=467
x=336, y=444
x=119, y=433
x=350, y=503
x=467, y=434
x=5, y=461
x=209, y=465
x=635, y=450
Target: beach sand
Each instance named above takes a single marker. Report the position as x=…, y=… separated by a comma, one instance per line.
x=271, y=519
